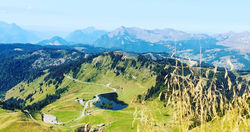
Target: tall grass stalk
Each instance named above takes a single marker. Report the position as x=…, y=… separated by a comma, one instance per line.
x=201, y=100
x=198, y=98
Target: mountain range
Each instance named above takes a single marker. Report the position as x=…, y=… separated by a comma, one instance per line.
x=216, y=49
x=12, y=33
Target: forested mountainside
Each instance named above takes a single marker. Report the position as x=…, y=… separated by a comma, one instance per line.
x=114, y=88
x=27, y=62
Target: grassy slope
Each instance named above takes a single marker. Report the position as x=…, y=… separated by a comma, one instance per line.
x=127, y=89
x=130, y=84
x=17, y=121
x=24, y=89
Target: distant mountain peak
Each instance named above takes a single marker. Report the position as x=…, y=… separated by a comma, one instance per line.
x=119, y=31
x=12, y=33
x=56, y=40
x=85, y=36
x=90, y=29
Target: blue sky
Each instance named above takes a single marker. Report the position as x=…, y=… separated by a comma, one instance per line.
x=209, y=16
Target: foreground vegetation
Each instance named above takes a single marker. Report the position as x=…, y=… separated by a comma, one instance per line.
x=204, y=100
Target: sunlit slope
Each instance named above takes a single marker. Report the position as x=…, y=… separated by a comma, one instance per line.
x=129, y=85
x=129, y=76
x=17, y=121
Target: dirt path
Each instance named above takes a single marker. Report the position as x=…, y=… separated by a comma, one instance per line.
x=26, y=111
x=107, y=85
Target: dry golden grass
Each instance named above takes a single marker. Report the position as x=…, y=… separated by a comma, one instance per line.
x=198, y=99
x=203, y=102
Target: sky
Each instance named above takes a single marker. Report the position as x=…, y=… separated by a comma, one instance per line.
x=210, y=16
